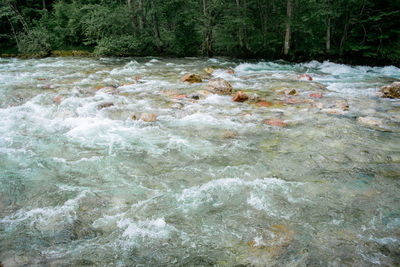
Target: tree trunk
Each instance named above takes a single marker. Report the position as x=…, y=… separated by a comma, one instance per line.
x=328, y=36
x=286, y=45
x=240, y=27
x=328, y=30
x=44, y=4
x=207, y=31
x=20, y=17
x=141, y=15
x=263, y=23
x=131, y=14
x=344, y=36
x=246, y=33
x=14, y=33
x=155, y=25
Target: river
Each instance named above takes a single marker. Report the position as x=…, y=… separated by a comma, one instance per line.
x=83, y=182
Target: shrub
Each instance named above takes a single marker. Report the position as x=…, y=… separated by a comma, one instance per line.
x=35, y=43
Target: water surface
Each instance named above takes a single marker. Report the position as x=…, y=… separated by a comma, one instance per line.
x=208, y=183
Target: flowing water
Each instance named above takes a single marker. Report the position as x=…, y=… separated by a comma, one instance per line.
x=209, y=183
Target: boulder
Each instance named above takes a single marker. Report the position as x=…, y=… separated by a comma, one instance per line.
x=391, y=91
x=148, y=117
x=320, y=86
x=191, y=78
x=263, y=104
x=305, y=77
x=105, y=105
x=178, y=96
x=370, y=121
x=342, y=104
x=195, y=96
x=316, y=95
x=319, y=105
x=276, y=122
x=219, y=86
x=177, y=105
x=333, y=111
x=292, y=92
x=111, y=89
x=240, y=97
x=293, y=100
x=57, y=99
x=230, y=134
x=209, y=70
x=254, y=98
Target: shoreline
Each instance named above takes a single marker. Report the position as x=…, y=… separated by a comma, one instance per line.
x=85, y=53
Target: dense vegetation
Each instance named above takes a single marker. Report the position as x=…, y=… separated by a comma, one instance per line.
x=348, y=30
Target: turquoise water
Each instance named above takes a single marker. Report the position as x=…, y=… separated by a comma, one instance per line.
x=208, y=183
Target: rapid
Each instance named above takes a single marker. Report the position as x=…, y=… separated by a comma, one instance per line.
x=83, y=182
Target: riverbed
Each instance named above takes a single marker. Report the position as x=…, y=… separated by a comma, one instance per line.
x=85, y=182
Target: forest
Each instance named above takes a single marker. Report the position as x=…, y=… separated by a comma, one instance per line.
x=350, y=31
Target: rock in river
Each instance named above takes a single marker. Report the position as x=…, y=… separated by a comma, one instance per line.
x=105, y=105
x=391, y=91
x=370, y=121
x=191, y=78
x=276, y=122
x=305, y=77
x=240, y=97
x=263, y=104
x=230, y=134
x=148, y=117
x=342, y=104
x=209, y=70
x=219, y=86
x=316, y=95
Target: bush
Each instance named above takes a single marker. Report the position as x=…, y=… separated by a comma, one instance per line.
x=120, y=45
x=35, y=43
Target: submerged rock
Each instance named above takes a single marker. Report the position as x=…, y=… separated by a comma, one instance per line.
x=219, y=86
x=209, y=70
x=177, y=105
x=191, y=78
x=148, y=117
x=178, y=96
x=230, y=71
x=319, y=105
x=320, y=86
x=333, y=111
x=316, y=95
x=254, y=98
x=105, y=105
x=293, y=100
x=240, y=97
x=230, y=134
x=195, y=96
x=263, y=104
x=111, y=89
x=48, y=86
x=57, y=99
x=276, y=122
x=370, y=121
x=342, y=104
x=391, y=91
x=305, y=77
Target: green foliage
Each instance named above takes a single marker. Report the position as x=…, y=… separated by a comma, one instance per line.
x=120, y=45
x=358, y=30
x=36, y=42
